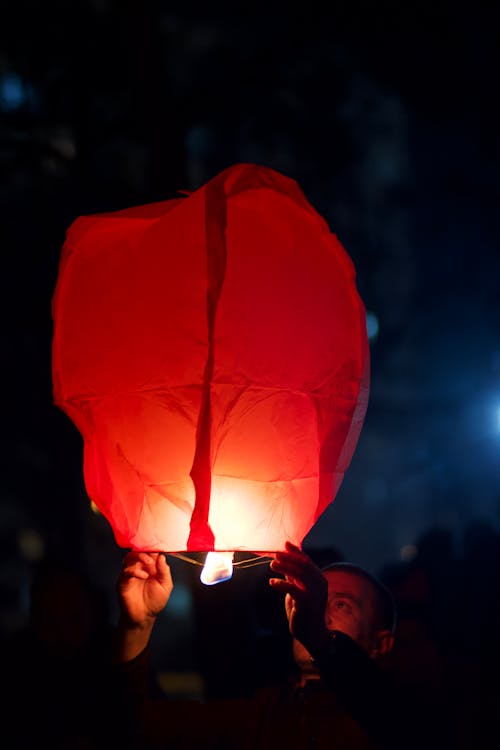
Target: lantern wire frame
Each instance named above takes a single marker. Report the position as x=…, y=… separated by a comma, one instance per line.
x=249, y=562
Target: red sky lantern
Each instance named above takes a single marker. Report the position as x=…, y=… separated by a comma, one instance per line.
x=212, y=351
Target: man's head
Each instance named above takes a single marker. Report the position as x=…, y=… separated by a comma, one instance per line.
x=361, y=606
x=358, y=605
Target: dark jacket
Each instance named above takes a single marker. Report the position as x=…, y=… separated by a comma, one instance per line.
x=354, y=706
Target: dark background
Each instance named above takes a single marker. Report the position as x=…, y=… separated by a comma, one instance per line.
x=386, y=113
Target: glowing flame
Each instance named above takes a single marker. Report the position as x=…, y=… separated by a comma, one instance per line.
x=218, y=567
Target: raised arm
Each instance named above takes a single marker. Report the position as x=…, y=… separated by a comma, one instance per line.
x=306, y=595
x=144, y=587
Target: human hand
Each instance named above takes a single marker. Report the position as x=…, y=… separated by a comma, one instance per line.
x=144, y=586
x=306, y=594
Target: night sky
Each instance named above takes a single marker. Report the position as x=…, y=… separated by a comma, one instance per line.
x=385, y=113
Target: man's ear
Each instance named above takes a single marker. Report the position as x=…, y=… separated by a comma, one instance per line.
x=384, y=641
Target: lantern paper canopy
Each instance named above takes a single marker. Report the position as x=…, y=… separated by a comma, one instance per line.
x=212, y=351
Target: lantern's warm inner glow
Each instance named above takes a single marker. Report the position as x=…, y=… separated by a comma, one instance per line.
x=212, y=350
x=218, y=567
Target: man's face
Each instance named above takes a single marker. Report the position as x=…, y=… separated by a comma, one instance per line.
x=351, y=608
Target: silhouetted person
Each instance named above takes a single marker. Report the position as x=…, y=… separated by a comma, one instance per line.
x=54, y=669
x=477, y=655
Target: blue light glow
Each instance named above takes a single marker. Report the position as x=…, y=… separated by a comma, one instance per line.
x=12, y=92
x=372, y=325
